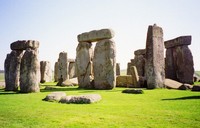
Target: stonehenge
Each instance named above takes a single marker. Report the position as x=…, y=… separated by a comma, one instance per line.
x=179, y=60
x=96, y=69
x=46, y=72
x=22, y=67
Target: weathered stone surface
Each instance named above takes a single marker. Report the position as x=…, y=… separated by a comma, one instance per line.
x=140, y=52
x=24, y=44
x=54, y=96
x=172, y=84
x=135, y=77
x=46, y=72
x=182, y=40
x=71, y=60
x=84, y=65
x=154, y=65
x=56, y=72
x=117, y=69
x=82, y=99
x=179, y=60
x=105, y=64
x=124, y=81
x=30, y=72
x=62, y=68
x=196, y=88
x=96, y=35
x=133, y=91
x=6, y=72
x=72, y=70
x=129, y=64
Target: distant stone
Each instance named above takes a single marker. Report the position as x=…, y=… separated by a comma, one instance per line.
x=172, y=84
x=124, y=81
x=72, y=70
x=46, y=72
x=140, y=52
x=117, y=69
x=54, y=96
x=196, y=88
x=135, y=77
x=24, y=44
x=129, y=64
x=96, y=35
x=82, y=99
x=56, y=72
x=133, y=91
x=139, y=61
x=182, y=40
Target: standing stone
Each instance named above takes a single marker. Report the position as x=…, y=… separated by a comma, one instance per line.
x=179, y=60
x=56, y=72
x=154, y=66
x=139, y=61
x=62, y=68
x=135, y=77
x=84, y=65
x=128, y=72
x=105, y=64
x=6, y=74
x=45, y=70
x=30, y=71
x=117, y=69
x=72, y=70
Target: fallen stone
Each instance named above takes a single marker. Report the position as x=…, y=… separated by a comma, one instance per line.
x=54, y=96
x=196, y=88
x=133, y=91
x=183, y=87
x=82, y=99
x=172, y=84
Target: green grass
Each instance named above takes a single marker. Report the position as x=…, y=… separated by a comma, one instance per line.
x=198, y=72
x=159, y=108
x=2, y=77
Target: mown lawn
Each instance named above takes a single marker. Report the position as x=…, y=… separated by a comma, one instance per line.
x=159, y=108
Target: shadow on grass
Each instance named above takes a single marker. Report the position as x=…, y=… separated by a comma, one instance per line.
x=184, y=98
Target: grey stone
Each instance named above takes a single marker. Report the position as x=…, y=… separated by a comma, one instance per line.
x=96, y=35
x=139, y=61
x=124, y=81
x=72, y=70
x=117, y=69
x=105, y=64
x=46, y=72
x=56, y=72
x=135, y=77
x=82, y=99
x=140, y=52
x=133, y=91
x=6, y=72
x=196, y=88
x=24, y=44
x=54, y=96
x=154, y=65
x=182, y=40
x=30, y=72
x=172, y=84
x=84, y=65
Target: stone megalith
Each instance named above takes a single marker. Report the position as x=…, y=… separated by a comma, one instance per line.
x=62, y=68
x=84, y=65
x=129, y=64
x=135, y=77
x=56, y=72
x=154, y=65
x=45, y=70
x=30, y=71
x=117, y=69
x=139, y=61
x=6, y=72
x=72, y=70
x=179, y=60
x=105, y=64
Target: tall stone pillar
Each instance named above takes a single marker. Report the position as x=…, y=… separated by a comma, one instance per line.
x=56, y=72
x=154, y=66
x=72, y=69
x=46, y=72
x=139, y=61
x=117, y=69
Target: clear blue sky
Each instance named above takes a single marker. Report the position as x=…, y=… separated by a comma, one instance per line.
x=56, y=24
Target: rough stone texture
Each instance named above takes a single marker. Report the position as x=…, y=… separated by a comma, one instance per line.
x=62, y=68
x=196, y=88
x=135, y=77
x=96, y=35
x=117, y=69
x=24, y=44
x=82, y=99
x=12, y=83
x=84, y=66
x=124, y=81
x=179, y=41
x=30, y=72
x=54, y=96
x=71, y=60
x=139, y=61
x=128, y=72
x=46, y=72
x=154, y=65
x=179, y=60
x=133, y=91
x=105, y=64
x=56, y=72
x=72, y=70
x=172, y=84
x=6, y=72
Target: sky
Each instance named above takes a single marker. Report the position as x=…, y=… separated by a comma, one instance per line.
x=56, y=24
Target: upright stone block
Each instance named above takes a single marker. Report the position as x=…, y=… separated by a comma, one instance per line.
x=84, y=65
x=56, y=72
x=154, y=66
x=72, y=70
x=135, y=77
x=62, y=68
x=30, y=72
x=6, y=73
x=117, y=69
x=46, y=72
x=105, y=64
x=129, y=64
x=139, y=61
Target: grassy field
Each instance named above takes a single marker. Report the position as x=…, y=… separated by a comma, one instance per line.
x=159, y=108
x=1, y=76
